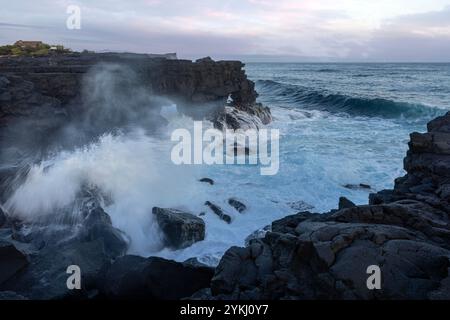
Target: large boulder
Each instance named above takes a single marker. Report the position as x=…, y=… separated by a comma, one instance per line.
x=98, y=225
x=181, y=229
x=91, y=246
x=153, y=278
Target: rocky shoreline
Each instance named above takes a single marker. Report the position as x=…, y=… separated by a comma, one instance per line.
x=404, y=231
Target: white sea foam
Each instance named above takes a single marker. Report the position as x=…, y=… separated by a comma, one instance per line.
x=136, y=172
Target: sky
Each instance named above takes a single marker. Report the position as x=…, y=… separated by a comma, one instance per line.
x=252, y=30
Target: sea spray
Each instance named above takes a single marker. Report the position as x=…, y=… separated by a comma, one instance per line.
x=133, y=170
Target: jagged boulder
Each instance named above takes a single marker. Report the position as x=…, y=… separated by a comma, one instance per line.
x=181, y=229
x=98, y=225
x=344, y=203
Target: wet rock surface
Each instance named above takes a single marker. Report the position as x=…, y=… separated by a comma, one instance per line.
x=238, y=205
x=207, y=180
x=218, y=211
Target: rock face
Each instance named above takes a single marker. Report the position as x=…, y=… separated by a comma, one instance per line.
x=405, y=232
x=203, y=81
x=47, y=94
x=180, y=229
x=153, y=278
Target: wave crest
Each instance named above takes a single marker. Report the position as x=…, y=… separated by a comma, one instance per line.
x=337, y=103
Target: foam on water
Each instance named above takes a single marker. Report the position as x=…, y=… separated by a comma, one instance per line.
x=320, y=152
x=318, y=158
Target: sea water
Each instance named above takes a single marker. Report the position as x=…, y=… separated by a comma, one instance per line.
x=340, y=125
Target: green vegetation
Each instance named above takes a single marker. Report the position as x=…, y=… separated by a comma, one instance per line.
x=31, y=48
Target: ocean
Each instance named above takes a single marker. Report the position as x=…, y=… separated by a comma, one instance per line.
x=341, y=126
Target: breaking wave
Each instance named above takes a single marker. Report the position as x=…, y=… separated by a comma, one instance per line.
x=298, y=96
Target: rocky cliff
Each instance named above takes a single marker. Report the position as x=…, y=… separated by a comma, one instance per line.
x=51, y=87
x=202, y=81
x=405, y=232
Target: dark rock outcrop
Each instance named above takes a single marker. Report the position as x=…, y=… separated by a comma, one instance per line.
x=238, y=205
x=218, y=211
x=97, y=225
x=405, y=232
x=181, y=229
x=183, y=80
x=207, y=180
x=153, y=278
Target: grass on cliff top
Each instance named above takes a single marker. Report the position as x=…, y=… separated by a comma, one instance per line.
x=41, y=50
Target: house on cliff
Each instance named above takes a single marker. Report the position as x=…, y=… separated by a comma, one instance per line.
x=28, y=44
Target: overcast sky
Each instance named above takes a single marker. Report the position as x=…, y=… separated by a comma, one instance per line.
x=342, y=30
